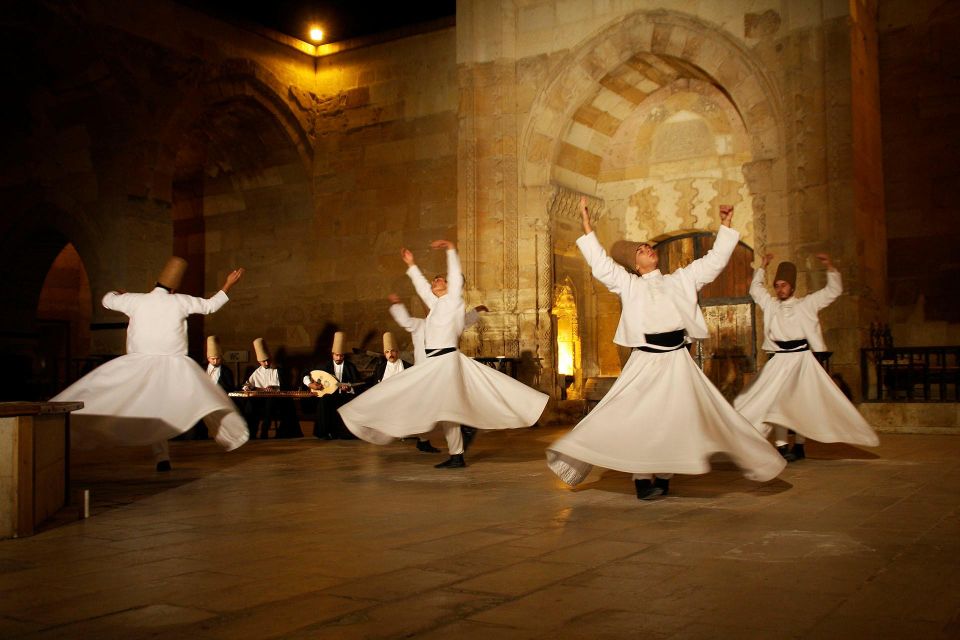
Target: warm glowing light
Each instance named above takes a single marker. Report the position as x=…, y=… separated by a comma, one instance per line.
x=564, y=357
x=316, y=34
x=568, y=338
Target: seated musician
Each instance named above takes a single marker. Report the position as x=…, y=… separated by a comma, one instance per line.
x=328, y=425
x=220, y=375
x=391, y=365
x=259, y=412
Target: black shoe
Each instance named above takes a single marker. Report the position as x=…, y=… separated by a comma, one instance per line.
x=164, y=465
x=663, y=484
x=468, y=433
x=646, y=490
x=798, y=452
x=426, y=447
x=786, y=454
x=453, y=462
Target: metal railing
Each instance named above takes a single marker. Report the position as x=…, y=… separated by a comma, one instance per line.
x=910, y=374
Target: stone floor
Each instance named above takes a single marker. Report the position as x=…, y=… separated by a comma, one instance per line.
x=311, y=539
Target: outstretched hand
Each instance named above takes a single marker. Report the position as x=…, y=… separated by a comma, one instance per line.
x=585, y=215
x=726, y=214
x=407, y=256
x=767, y=258
x=442, y=244
x=232, y=278
x=393, y=298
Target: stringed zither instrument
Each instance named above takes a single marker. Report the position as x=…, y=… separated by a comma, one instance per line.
x=329, y=382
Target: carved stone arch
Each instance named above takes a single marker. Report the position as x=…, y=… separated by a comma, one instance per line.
x=703, y=48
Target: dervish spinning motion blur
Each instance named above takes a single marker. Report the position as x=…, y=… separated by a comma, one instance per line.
x=449, y=386
x=793, y=391
x=662, y=415
x=155, y=391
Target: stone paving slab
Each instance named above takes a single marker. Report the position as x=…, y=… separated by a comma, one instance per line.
x=315, y=539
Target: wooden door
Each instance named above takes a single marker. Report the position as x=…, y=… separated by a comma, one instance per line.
x=729, y=356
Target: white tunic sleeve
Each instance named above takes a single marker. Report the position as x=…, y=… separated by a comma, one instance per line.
x=402, y=317
x=454, y=275
x=123, y=302
x=822, y=298
x=422, y=286
x=705, y=270
x=758, y=291
x=612, y=275
x=204, y=306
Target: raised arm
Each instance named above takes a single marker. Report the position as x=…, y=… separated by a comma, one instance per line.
x=832, y=290
x=420, y=283
x=119, y=300
x=758, y=288
x=706, y=269
x=472, y=316
x=454, y=272
x=400, y=314
x=585, y=216
x=232, y=278
x=612, y=275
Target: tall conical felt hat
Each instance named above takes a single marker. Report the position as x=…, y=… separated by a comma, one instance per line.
x=172, y=274
x=260, y=347
x=624, y=253
x=339, y=340
x=787, y=271
x=213, y=347
x=389, y=344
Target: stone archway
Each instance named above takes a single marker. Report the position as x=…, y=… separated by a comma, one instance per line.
x=237, y=167
x=31, y=248
x=593, y=104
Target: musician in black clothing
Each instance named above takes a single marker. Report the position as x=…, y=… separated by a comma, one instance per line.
x=390, y=366
x=328, y=425
x=221, y=375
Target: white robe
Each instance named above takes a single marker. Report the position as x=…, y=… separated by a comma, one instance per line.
x=793, y=390
x=447, y=388
x=155, y=391
x=662, y=415
x=263, y=378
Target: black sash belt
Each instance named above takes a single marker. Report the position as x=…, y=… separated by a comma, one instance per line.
x=788, y=346
x=432, y=353
x=670, y=341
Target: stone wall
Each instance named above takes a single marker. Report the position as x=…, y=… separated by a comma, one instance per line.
x=658, y=113
x=166, y=130
x=919, y=55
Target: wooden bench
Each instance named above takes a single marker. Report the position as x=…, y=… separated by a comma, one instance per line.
x=34, y=463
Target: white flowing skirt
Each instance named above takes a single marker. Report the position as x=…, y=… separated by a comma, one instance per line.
x=794, y=391
x=662, y=415
x=447, y=388
x=143, y=399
